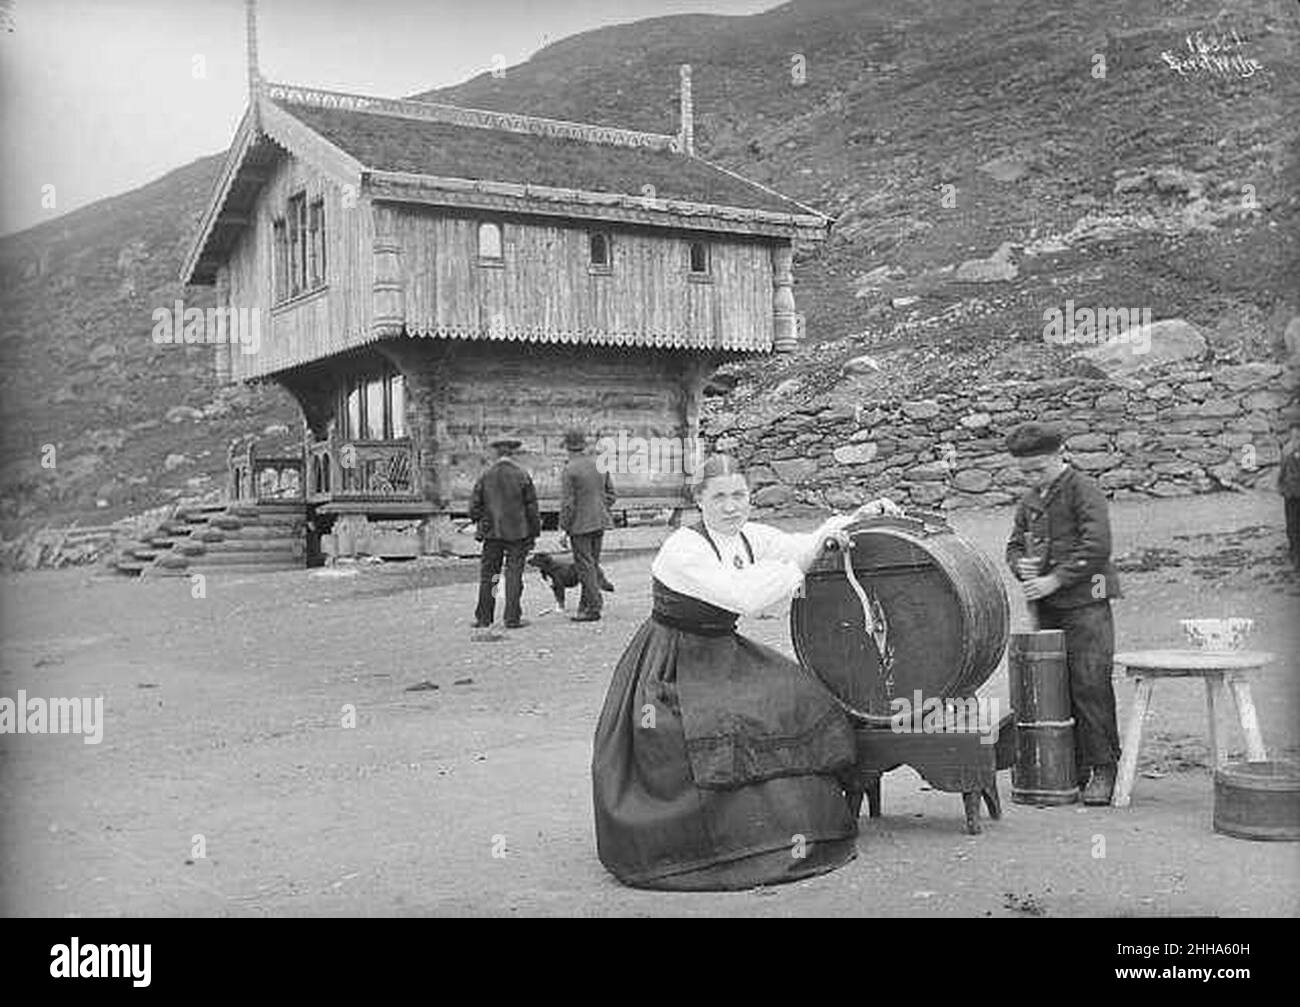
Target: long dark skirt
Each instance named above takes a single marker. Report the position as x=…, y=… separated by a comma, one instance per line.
x=718, y=765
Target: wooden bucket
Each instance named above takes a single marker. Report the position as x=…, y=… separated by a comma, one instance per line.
x=1044, y=771
x=1257, y=800
x=944, y=610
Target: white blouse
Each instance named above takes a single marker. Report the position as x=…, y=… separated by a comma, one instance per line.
x=687, y=564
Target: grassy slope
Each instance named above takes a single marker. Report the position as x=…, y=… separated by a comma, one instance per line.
x=900, y=97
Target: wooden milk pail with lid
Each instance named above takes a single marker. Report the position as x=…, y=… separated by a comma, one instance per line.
x=1044, y=770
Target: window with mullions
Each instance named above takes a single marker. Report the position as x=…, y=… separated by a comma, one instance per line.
x=281, y=260
x=297, y=241
x=316, y=244
x=298, y=262
x=374, y=408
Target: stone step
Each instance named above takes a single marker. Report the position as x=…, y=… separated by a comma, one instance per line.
x=153, y=571
x=160, y=542
x=224, y=559
x=249, y=533
x=175, y=527
x=197, y=514
x=144, y=552
x=283, y=544
x=247, y=568
x=267, y=510
x=190, y=548
x=131, y=567
x=227, y=522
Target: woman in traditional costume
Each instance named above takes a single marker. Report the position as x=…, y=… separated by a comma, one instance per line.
x=720, y=763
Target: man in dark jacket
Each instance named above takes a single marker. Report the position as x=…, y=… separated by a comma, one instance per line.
x=504, y=504
x=1288, y=484
x=1060, y=549
x=588, y=495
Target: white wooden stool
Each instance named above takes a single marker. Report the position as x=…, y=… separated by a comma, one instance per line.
x=1221, y=670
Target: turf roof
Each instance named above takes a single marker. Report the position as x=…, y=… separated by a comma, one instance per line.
x=393, y=143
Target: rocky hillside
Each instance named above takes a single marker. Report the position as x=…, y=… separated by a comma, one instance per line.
x=986, y=161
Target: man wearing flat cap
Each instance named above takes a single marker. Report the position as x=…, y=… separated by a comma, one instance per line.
x=587, y=496
x=1060, y=551
x=504, y=504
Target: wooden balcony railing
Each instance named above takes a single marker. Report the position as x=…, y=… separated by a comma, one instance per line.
x=255, y=477
x=361, y=470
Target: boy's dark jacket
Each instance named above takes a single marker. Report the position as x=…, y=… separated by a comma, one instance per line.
x=1071, y=522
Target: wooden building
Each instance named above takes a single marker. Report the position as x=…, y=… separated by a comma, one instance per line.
x=429, y=276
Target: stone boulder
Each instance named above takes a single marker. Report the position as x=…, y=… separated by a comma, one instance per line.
x=927, y=492
x=1166, y=341
x=855, y=454
x=926, y=409
x=973, y=480
x=844, y=499
x=178, y=413
x=1088, y=442
x=1291, y=338
x=794, y=470
x=1243, y=376
x=861, y=365
x=1008, y=168
x=998, y=268
x=774, y=496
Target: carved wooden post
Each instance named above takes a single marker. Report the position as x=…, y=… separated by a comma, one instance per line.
x=221, y=352
x=785, y=334
x=695, y=372
x=389, y=309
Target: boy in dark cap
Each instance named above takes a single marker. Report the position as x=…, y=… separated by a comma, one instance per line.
x=1060, y=550
x=504, y=504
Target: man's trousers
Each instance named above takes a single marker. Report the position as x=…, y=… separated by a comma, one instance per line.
x=586, y=561
x=513, y=553
x=1089, y=654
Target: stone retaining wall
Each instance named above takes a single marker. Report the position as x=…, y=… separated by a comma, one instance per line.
x=1172, y=431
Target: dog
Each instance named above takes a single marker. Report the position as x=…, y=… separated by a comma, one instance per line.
x=562, y=574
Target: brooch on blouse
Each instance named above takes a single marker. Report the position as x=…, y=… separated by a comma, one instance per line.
x=737, y=562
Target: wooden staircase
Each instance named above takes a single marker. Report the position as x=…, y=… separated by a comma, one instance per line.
x=221, y=539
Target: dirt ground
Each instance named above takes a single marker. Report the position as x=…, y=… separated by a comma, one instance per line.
x=224, y=719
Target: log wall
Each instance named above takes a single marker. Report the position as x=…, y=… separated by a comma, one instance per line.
x=461, y=396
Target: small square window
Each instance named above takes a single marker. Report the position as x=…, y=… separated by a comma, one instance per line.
x=489, y=242
x=699, y=256
x=600, y=258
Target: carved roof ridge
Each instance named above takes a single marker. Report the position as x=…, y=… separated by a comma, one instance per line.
x=427, y=111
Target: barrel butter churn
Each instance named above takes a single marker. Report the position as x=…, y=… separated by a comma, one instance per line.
x=925, y=614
